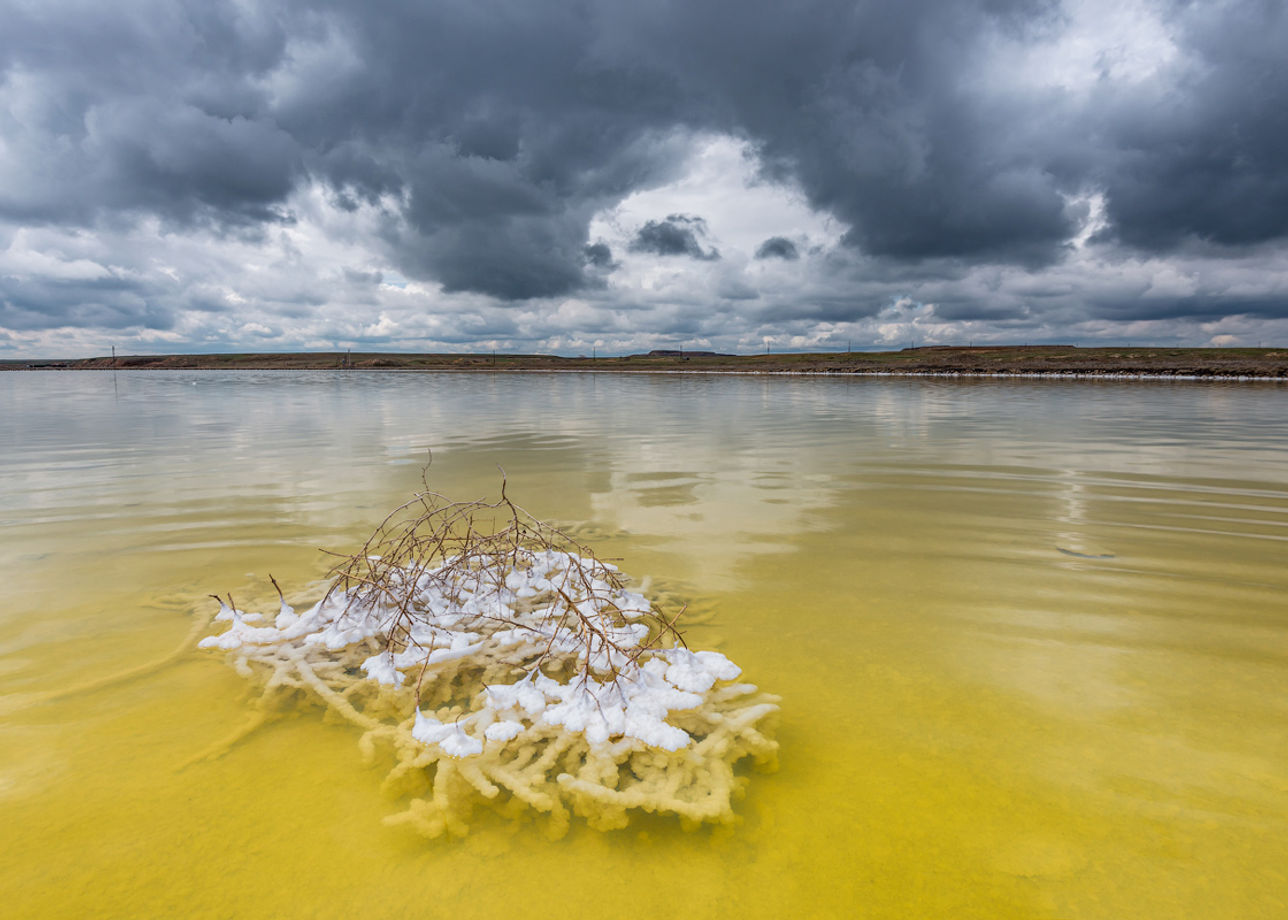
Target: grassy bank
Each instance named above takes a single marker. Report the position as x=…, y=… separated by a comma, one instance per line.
x=1043, y=359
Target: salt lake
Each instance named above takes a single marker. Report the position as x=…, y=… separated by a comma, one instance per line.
x=1031, y=639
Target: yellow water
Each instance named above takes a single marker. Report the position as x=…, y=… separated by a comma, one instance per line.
x=975, y=723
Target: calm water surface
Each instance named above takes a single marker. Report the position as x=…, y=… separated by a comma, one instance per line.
x=1032, y=640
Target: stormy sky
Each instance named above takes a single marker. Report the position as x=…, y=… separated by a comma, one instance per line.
x=729, y=174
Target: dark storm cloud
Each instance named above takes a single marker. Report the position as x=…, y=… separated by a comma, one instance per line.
x=143, y=107
x=1198, y=307
x=675, y=236
x=837, y=309
x=976, y=311
x=599, y=255
x=108, y=303
x=866, y=108
x=1206, y=162
x=778, y=247
x=491, y=132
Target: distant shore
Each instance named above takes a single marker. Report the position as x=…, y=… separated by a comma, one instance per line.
x=990, y=361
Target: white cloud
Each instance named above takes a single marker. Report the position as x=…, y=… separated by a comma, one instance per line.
x=1087, y=45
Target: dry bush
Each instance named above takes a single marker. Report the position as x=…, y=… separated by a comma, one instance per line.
x=495, y=660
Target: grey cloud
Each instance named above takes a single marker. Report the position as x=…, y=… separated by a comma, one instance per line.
x=1198, y=307
x=180, y=162
x=108, y=303
x=867, y=109
x=675, y=236
x=599, y=255
x=490, y=133
x=154, y=110
x=353, y=276
x=823, y=308
x=1206, y=162
x=736, y=289
x=778, y=247
x=513, y=258
x=979, y=310
x=503, y=129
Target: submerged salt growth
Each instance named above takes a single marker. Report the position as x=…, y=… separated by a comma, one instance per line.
x=509, y=666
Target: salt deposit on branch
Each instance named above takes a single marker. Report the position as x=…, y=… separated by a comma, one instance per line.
x=495, y=661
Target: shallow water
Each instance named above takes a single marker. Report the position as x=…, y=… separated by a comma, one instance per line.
x=1032, y=640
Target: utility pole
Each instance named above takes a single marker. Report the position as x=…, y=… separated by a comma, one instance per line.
x=113, y=356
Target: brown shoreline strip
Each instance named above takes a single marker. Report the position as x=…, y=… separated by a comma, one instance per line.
x=1001, y=361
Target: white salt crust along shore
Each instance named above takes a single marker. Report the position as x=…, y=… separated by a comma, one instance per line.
x=1023, y=375
x=1026, y=375
x=523, y=703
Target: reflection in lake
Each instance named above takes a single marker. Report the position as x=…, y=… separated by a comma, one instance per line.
x=1030, y=638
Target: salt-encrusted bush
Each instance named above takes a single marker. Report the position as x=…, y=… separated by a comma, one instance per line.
x=499, y=661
